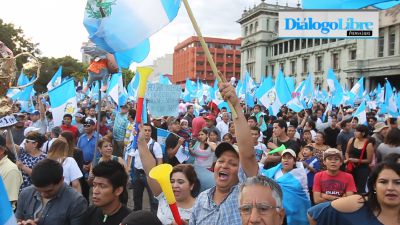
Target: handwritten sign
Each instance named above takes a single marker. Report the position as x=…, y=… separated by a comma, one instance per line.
x=162, y=99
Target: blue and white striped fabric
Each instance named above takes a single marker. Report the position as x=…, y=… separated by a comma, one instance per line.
x=133, y=87
x=274, y=99
x=25, y=98
x=335, y=88
x=55, y=80
x=6, y=213
x=161, y=137
x=361, y=114
x=124, y=26
x=116, y=89
x=348, y=4
x=63, y=101
x=296, y=200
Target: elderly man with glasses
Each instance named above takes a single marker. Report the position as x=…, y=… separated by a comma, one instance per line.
x=260, y=201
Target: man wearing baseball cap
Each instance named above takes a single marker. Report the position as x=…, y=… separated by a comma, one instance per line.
x=332, y=183
x=380, y=132
x=219, y=204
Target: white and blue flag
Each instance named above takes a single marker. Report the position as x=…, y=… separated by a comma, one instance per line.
x=55, y=80
x=6, y=213
x=63, y=101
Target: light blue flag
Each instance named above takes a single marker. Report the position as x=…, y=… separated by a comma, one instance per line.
x=63, y=101
x=277, y=96
x=295, y=200
x=361, y=114
x=295, y=104
x=265, y=86
x=250, y=87
x=190, y=91
x=124, y=26
x=357, y=90
x=335, y=88
x=22, y=79
x=133, y=87
x=290, y=83
x=240, y=89
x=306, y=92
x=113, y=87
x=94, y=91
x=389, y=105
x=161, y=137
x=25, y=98
x=346, y=4
x=13, y=93
x=55, y=80
x=164, y=80
x=6, y=213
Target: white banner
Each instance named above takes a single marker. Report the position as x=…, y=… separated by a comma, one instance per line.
x=329, y=24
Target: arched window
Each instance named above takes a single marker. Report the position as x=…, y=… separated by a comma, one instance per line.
x=245, y=31
x=251, y=28
x=256, y=27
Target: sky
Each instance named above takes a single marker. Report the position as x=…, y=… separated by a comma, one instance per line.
x=58, y=25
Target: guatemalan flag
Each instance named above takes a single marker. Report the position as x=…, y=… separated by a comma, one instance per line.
x=63, y=101
x=6, y=213
x=56, y=79
x=296, y=199
x=161, y=137
x=123, y=27
x=275, y=97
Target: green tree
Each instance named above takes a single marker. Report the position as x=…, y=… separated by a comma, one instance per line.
x=127, y=75
x=70, y=67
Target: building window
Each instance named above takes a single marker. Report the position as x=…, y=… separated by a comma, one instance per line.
x=219, y=55
x=324, y=41
x=291, y=46
x=273, y=70
x=280, y=48
x=335, y=61
x=256, y=27
x=318, y=63
x=282, y=67
x=245, y=31
x=266, y=70
x=332, y=40
x=286, y=47
x=310, y=43
x=230, y=56
x=353, y=54
x=303, y=43
x=317, y=42
x=293, y=67
x=305, y=65
x=381, y=43
x=392, y=38
x=267, y=24
x=266, y=51
x=229, y=65
x=251, y=28
x=276, y=27
x=275, y=49
x=297, y=42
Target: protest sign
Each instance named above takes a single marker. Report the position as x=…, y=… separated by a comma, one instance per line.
x=163, y=100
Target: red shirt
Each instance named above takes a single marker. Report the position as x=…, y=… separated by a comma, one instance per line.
x=336, y=185
x=197, y=124
x=71, y=129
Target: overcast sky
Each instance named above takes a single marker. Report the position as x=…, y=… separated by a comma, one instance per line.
x=58, y=25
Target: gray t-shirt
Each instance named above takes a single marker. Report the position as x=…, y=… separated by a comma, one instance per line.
x=343, y=138
x=41, y=124
x=384, y=150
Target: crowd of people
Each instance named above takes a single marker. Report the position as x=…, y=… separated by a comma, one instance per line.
x=330, y=169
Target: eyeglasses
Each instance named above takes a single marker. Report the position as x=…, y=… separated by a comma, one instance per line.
x=30, y=141
x=87, y=125
x=262, y=209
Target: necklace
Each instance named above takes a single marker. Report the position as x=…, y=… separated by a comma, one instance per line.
x=112, y=213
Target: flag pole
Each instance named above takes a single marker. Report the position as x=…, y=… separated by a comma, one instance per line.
x=98, y=123
x=207, y=52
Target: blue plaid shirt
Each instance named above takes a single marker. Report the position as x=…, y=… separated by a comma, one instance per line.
x=207, y=212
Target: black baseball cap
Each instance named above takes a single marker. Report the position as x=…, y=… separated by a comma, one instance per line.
x=223, y=147
x=141, y=217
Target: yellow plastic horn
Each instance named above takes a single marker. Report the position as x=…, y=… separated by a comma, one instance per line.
x=144, y=73
x=161, y=174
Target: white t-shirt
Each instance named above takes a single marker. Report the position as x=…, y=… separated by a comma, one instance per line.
x=259, y=149
x=157, y=152
x=71, y=170
x=223, y=128
x=164, y=213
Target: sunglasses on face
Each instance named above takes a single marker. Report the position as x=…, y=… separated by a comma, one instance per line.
x=87, y=125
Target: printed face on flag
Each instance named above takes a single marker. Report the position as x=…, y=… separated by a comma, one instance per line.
x=272, y=96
